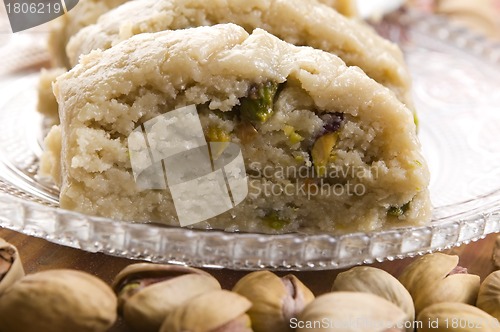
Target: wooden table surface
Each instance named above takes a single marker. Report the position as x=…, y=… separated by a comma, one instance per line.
x=39, y=255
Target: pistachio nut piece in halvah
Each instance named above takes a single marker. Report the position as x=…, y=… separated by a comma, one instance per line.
x=488, y=298
x=274, y=300
x=216, y=311
x=58, y=301
x=376, y=281
x=351, y=311
x=148, y=292
x=375, y=162
x=436, y=278
x=11, y=267
x=455, y=317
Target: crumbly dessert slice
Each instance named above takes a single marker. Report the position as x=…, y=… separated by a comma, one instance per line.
x=47, y=104
x=85, y=13
x=299, y=22
x=326, y=148
x=50, y=161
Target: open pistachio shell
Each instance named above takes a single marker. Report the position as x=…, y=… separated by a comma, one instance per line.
x=488, y=298
x=379, y=282
x=11, y=268
x=146, y=310
x=455, y=317
x=58, y=301
x=140, y=271
x=351, y=311
x=432, y=279
x=150, y=270
x=149, y=292
x=217, y=311
x=274, y=300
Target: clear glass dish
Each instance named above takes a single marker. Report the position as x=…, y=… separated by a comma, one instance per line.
x=457, y=93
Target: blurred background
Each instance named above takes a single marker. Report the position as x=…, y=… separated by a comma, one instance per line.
x=480, y=15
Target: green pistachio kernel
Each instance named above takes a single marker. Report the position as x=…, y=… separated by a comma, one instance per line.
x=293, y=137
x=274, y=221
x=322, y=150
x=257, y=107
x=217, y=134
x=130, y=289
x=299, y=159
x=397, y=211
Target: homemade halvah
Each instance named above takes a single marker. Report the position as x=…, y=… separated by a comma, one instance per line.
x=285, y=106
x=299, y=22
x=86, y=12
x=47, y=104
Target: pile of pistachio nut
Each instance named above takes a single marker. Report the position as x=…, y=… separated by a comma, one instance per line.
x=166, y=298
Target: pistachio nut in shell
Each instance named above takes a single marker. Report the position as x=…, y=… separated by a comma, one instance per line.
x=376, y=281
x=58, y=301
x=146, y=309
x=488, y=298
x=437, y=278
x=148, y=292
x=456, y=317
x=217, y=311
x=274, y=300
x=351, y=311
x=126, y=281
x=11, y=268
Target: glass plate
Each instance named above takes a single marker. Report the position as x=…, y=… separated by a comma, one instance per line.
x=457, y=93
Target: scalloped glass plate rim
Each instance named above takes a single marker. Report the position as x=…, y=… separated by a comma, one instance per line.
x=451, y=226
x=219, y=249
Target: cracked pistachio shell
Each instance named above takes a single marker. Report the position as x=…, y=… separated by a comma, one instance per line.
x=274, y=300
x=11, y=268
x=488, y=298
x=351, y=311
x=58, y=301
x=147, y=307
x=456, y=317
x=428, y=281
x=376, y=281
x=141, y=271
x=146, y=310
x=217, y=311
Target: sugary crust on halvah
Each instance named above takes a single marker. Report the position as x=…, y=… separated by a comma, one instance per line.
x=298, y=22
x=111, y=92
